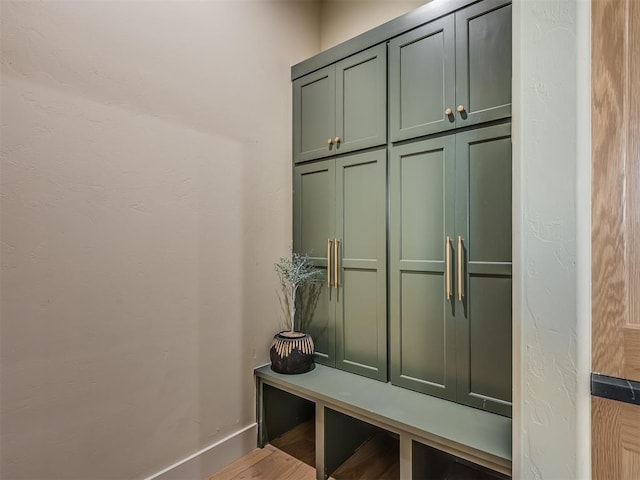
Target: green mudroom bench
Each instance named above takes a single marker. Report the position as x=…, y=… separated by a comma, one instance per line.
x=419, y=421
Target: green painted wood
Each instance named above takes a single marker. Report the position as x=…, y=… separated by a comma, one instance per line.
x=314, y=115
x=415, y=18
x=345, y=101
x=479, y=433
x=422, y=201
x=483, y=218
x=483, y=62
x=422, y=80
x=361, y=100
x=313, y=224
x=361, y=309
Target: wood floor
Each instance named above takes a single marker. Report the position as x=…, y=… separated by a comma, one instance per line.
x=292, y=457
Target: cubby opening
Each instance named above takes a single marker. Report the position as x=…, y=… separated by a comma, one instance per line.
x=289, y=424
x=356, y=449
x=432, y=464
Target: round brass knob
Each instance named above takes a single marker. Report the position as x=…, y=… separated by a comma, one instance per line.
x=448, y=112
x=330, y=141
x=336, y=140
x=460, y=108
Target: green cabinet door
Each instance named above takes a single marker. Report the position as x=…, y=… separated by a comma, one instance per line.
x=341, y=108
x=483, y=222
x=361, y=306
x=483, y=62
x=422, y=196
x=313, y=226
x=361, y=100
x=451, y=73
x=422, y=80
x=339, y=219
x=314, y=115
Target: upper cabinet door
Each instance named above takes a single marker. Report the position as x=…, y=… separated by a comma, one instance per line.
x=314, y=115
x=341, y=108
x=361, y=100
x=422, y=80
x=483, y=62
x=451, y=73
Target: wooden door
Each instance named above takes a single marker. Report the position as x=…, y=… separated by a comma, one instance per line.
x=616, y=233
x=422, y=80
x=361, y=296
x=422, y=201
x=314, y=115
x=483, y=62
x=361, y=100
x=483, y=267
x=313, y=226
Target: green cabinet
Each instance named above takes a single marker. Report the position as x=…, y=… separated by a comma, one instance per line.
x=453, y=72
x=340, y=220
x=450, y=267
x=342, y=107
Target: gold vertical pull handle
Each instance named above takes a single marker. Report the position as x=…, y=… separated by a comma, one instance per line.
x=329, y=243
x=447, y=265
x=460, y=269
x=336, y=272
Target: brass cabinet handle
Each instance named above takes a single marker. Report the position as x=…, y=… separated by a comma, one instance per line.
x=460, y=269
x=330, y=141
x=336, y=272
x=460, y=108
x=448, y=112
x=329, y=243
x=337, y=140
x=447, y=266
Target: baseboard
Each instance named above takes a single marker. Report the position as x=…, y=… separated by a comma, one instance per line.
x=212, y=458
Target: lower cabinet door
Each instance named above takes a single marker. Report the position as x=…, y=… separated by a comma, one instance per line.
x=313, y=227
x=340, y=221
x=361, y=296
x=450, y=267
x=483, y=221
x=422, y=189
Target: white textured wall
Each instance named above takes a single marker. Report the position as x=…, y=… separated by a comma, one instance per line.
x=551, y=228
x=341, y=20
x=146, y=189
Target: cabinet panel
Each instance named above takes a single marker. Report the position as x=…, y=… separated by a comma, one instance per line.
x=360, y=187
x=489, y=346
x=422, y=189
x=314, y=206
x=314, y=114
x=422, y=203
x=422, y=80
x=423, y=338
x=358, y=330
x=361, y=100
x=490, y=200
x=483, y=61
